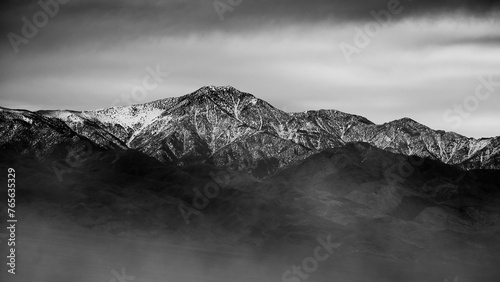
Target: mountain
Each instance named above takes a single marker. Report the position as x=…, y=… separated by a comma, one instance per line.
x=232, y=129
x=218, y=185
x=159, y=219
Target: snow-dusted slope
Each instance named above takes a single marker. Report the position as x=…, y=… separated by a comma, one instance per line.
x=229, y=128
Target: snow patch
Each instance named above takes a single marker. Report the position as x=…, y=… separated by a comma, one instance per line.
x=28, y=120
x=133, y=117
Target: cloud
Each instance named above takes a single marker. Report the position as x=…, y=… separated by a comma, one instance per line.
x=286, y=52
x=487, y=40
x=128, y=18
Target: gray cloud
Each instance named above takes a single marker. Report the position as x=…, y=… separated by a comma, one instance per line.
x=114, y=22
x=178, y=16
x=482, y=40
x=285, y=52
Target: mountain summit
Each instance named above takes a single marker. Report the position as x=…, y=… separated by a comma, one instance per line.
x=219, y=170
x=229, y=128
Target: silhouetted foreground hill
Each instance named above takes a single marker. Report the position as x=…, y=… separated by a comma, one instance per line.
x=387, y=224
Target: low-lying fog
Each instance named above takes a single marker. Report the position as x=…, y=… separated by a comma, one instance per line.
x=45, y=254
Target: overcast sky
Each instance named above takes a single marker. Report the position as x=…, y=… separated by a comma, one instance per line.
x=426, y=62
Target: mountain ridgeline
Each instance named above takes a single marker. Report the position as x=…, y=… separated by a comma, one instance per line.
x=224, y=184
x=235, y=130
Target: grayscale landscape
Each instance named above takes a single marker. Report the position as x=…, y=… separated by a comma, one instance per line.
x=238, y=140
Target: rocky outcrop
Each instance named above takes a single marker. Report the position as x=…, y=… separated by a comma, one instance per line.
x=232, y=129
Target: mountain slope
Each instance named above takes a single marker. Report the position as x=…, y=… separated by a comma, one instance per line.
x=225, y=174
x=233, y=129
x=438, y=221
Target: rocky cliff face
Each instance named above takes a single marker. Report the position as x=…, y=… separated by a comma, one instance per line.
x=232, y=129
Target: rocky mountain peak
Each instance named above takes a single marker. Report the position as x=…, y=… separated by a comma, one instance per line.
x=407, y=123
x=230, y=128
x=213, y=88
x=222, y=96
x=227, y=93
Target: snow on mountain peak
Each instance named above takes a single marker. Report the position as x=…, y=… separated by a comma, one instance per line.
x=134, y=117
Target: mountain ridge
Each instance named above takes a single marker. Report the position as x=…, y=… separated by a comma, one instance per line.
x=226, y=172
x=234, y=129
